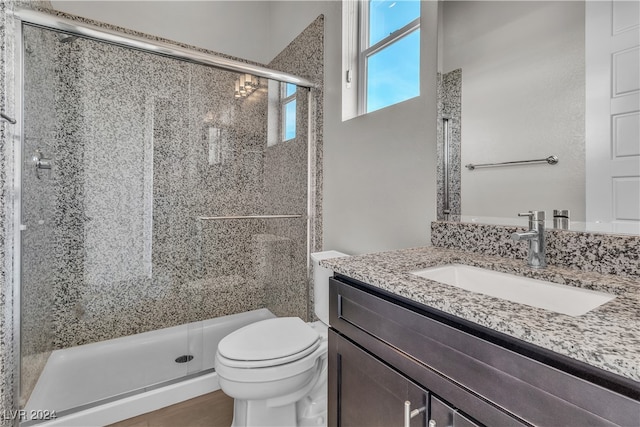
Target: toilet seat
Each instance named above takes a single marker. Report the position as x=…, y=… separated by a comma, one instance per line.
x=268, y=343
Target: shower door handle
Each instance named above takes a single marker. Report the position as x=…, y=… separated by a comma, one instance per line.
x=40, y=162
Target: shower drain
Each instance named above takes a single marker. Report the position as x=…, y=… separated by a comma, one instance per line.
x=184, y=358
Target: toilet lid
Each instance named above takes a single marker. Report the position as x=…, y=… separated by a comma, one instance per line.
x=270, y=339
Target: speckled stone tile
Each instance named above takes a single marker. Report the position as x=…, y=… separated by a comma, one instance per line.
x=304, y=56
x=38, y=282
x=132, y=175
x=607, y=337
x=130, y=137
x=602, y=253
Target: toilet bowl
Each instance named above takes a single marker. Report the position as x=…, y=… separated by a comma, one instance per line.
x=276, y=369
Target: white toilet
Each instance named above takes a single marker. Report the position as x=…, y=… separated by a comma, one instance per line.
x=276, y=369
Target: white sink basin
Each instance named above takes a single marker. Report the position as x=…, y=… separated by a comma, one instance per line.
x=537, y=293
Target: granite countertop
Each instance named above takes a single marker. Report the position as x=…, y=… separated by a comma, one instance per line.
x=607, y=337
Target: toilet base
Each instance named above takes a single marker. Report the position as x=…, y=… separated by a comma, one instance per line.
x=256, y=413
x=310, y=411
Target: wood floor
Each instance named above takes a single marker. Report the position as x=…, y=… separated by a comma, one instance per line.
x=210, y=410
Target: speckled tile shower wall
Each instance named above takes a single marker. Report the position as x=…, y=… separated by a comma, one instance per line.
x=287, y=162
x=602, y=253
x=38, y=237
x=133, y=176
x=131, y=136
x=450, y=105
x=92, y=310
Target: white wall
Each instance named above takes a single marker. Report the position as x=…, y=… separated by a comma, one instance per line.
x=238, y=28
x=256, y=30
x=379, y=169
x=288, y=19
x=523, y=81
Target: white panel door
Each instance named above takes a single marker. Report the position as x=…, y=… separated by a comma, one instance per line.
x=613, y=113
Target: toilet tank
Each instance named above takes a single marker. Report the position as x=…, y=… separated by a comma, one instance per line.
x=321, y=283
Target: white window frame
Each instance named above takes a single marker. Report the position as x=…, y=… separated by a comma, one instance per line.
x=365, y=51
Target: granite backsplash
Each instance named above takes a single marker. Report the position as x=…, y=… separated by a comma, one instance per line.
x=602, y=253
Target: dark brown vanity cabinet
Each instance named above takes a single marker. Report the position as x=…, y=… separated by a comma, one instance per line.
x=370, y=392
x=393, y=362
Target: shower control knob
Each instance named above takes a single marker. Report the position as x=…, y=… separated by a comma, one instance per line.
x=40, y=162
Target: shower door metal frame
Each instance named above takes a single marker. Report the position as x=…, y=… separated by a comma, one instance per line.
x=22, y=16
x=153, y=46
x=17, y=152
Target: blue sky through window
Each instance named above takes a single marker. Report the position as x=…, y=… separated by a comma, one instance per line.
x=387, y=16
x=290, y=120
x=290, y=89
x=393, y=72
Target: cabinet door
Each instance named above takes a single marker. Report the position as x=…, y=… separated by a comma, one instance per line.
x=443, y=415
x=460, y=420
x=366, y=392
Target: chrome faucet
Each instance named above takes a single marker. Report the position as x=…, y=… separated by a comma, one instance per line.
x=535, y=236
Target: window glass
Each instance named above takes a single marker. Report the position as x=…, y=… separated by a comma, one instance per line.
x=290, y=120
x=393, y=73
x=290, y=89
x=387, y=16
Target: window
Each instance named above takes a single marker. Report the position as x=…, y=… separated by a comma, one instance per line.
x=281, y=116
x=288, y=111
x=387, y=58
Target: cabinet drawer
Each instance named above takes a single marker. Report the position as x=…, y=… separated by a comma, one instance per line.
x=537, y=393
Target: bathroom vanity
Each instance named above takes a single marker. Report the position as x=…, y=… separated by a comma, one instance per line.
x=404, y=350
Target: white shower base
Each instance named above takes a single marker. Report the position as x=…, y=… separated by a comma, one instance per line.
x=109, y=381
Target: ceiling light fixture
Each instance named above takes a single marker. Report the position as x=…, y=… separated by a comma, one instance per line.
x=245, y=85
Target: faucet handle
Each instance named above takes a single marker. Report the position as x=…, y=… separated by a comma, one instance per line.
x=534, y=215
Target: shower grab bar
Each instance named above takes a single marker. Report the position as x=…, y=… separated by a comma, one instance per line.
x=209, y=218
x=445, y=165
x=552, y=160
x=7, y=118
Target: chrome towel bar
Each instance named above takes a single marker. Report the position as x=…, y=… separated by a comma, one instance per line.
x=552, y=160
x=209, y=218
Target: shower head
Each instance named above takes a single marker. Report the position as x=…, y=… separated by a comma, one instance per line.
x=66, y=38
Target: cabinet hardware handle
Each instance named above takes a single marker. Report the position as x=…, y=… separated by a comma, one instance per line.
x=408, y=413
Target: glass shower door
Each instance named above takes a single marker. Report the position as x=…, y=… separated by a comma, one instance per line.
x=154, y=200
x=96, y=117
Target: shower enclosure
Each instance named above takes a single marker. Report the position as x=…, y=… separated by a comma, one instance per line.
x=156, y=190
